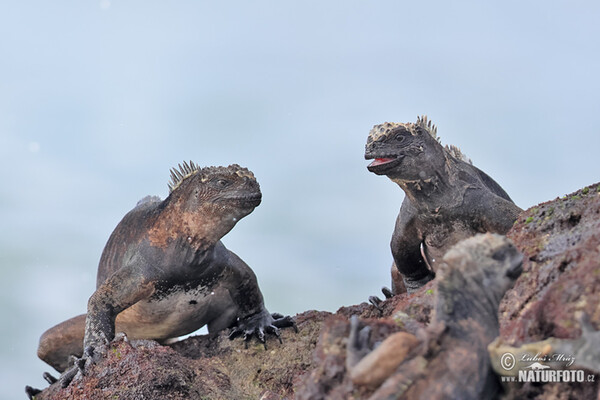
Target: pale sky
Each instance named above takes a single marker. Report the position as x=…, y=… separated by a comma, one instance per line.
x=98, y=99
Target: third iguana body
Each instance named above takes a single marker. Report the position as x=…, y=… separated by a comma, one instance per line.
x=447, y=198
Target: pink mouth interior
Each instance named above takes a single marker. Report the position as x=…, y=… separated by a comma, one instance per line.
x=380, y=161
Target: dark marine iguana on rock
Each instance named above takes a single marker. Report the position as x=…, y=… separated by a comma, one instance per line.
x=449, y=358
x=447, y=198
x=164, y=272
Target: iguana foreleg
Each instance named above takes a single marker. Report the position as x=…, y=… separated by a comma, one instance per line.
x=120, y=291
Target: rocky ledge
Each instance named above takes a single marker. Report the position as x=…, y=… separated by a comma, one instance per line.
x=554, y=304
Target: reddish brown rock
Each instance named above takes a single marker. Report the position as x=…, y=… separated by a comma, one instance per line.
x=561, y=276
x=200, y=367
x=561, y=243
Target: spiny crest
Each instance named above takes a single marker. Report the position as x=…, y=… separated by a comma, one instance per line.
x=450, y=148
x=178, y=175
x=428, y=126
x=457, y=153
x=384, y=129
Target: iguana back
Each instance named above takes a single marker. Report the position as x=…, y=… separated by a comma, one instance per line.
x=132, y=228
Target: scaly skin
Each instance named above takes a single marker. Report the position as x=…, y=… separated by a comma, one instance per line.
x=164, y=272
x=448, y=359
x=447, y=198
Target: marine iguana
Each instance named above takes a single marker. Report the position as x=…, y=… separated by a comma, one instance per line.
x=447, y=198
x=475, y=275
x=164, y=272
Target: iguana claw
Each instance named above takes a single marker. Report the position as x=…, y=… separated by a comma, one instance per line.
x=31, y=392
x=261, y=323
x=49, y=378
x=91, y=355
x=376, y=301
x=387, y=292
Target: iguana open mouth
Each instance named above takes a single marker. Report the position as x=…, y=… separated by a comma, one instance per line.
x=382, y=164
x=381, y=161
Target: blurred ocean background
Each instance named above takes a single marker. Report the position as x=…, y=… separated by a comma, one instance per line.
x=99, y=99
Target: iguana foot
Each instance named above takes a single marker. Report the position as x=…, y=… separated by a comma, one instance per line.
x=31, y=392
x=261, y=323
x=78, y=367
x=91, y=355
x=65, y=379
x=376, y=301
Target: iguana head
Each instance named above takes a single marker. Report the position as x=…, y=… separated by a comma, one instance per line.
x=212, y=199
x=407, y=151
x=400, y=151
x=231, y=187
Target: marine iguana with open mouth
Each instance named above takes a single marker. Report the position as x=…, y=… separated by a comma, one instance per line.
x=447, y=198
x=164, y=272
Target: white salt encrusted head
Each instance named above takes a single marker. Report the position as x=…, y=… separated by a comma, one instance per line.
x=384, y=129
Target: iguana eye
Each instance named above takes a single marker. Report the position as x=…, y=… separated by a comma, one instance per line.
x=220, y=183
x=400, y=137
